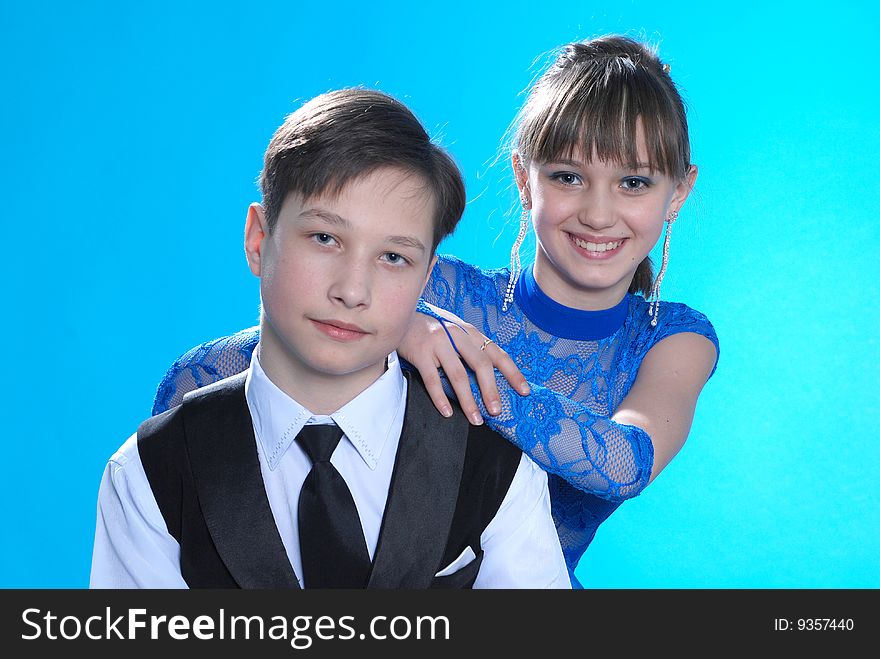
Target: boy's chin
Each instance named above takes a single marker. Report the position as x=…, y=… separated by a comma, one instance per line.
x=349, y=366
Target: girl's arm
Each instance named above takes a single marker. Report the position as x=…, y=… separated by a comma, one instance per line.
x=204, y=364
x=664, y=396
x=594, y=453
x=611, y=457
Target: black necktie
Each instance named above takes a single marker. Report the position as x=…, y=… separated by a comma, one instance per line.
x=331, y=540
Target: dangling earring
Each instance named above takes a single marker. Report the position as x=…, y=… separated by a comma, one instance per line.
x=654, y=297
x=515, y=265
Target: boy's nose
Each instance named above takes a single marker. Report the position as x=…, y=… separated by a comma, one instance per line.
x=351, y=286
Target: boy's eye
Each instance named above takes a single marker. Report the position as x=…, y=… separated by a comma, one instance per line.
x=395, y=259
x=323, y=238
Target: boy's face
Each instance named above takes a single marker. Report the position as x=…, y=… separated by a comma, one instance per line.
x=340, y=277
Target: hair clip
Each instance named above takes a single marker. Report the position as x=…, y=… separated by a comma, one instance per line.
x=666, y=68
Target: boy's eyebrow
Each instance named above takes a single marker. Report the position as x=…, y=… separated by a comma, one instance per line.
x=407, y=241
x=326, y=216
x=338, y=220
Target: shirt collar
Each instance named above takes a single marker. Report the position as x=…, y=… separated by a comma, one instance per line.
x=566, y=322
x=366, y=420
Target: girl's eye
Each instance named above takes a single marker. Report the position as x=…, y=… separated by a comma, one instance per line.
x=635, y=183
x=395, y=259
x=566, y=178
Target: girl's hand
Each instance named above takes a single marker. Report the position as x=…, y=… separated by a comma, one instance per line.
x=430, y=345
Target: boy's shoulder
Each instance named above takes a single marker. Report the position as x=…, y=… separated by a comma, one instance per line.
x=160, y=437
x=173, y=436
x=485, y=449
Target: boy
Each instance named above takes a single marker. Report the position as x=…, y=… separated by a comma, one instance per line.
x=236, y=487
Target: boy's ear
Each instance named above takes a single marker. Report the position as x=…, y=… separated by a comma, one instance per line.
x=255, y=230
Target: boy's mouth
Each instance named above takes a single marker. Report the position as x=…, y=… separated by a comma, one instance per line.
x=341, y=331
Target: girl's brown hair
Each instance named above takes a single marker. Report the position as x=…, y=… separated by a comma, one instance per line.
x=591, y=100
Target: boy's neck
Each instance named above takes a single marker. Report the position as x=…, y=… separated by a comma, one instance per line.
x=320, y=393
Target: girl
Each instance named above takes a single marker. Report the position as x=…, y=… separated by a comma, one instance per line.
x=608, y=375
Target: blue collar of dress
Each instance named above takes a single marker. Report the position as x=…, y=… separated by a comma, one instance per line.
x=565, y=322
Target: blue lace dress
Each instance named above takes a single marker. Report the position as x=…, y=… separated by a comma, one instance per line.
x=579, y=364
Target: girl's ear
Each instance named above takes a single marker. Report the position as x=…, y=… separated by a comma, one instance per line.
x=683, y=189
x=521, y=174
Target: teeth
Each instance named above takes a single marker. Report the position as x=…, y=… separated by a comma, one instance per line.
x=597, y=247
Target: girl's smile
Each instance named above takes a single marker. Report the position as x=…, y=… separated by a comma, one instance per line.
x=595, y=247
x=595, y=221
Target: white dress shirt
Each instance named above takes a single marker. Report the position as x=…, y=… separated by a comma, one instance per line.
x=133, y=548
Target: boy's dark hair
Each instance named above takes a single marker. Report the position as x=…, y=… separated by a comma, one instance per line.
x=342, y=135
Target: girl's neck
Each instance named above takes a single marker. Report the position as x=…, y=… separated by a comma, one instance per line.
x=565, y=291
x=565, y=321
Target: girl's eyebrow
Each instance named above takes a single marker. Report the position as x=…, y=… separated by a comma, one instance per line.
x=577, y=163
x=565, y=161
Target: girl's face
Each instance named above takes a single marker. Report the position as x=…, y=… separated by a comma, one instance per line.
x=595, y=222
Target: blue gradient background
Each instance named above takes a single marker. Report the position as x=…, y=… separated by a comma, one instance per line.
x=132, y=137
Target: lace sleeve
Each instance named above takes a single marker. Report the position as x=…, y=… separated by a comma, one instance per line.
x=442, y=287
x=590, y=451
x=204, y=364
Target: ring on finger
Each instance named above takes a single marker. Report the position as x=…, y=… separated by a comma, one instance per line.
x=485, y=343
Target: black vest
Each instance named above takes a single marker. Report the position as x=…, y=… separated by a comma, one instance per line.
x=201, y=461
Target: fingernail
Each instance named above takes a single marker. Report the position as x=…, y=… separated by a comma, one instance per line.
x=494, y=407
x=524, y=389
x=477, y=419
x=446, y=411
